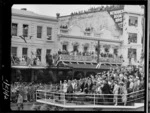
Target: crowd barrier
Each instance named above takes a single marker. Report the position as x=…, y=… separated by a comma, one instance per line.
x=81, y=98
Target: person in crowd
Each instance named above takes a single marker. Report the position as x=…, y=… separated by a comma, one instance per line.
x=123, y=92
x=70, y=91
x=106, y=90
x=65, y=86
x=115, y=92
x=20, y=101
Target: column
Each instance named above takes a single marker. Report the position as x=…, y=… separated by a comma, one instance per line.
x=19, y=52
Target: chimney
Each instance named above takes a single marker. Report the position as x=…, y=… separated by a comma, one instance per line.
x=24, y=9
x=57, y=15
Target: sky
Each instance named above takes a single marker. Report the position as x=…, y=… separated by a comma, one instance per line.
x=51, y=10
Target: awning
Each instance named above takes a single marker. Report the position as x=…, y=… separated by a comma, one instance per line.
x=28, y=67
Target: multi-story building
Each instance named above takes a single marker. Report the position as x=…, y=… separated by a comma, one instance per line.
x=116, y=30
x=32, y=35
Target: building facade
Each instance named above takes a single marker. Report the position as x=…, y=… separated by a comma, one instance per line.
x=32, y=35
x=116, y=32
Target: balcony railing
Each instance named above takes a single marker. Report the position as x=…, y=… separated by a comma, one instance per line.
x=80, y=58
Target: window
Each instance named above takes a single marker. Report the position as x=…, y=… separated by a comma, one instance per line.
x=48, y=51
x=85, y=48
x=133, y=21
x=38, y=53
x=106, y=50
x=132, y=53
x=64, y=47
x=132, y=38
x=25, y=30
x=24, y=53
x=49, y=33
x=14, y=51
x=14, y=29
x=75, y=48
x=116, y=51
x=39, y=31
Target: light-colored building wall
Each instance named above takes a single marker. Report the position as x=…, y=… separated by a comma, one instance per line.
x=34, y=43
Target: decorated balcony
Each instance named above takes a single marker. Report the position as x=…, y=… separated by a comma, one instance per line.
x=92, y=58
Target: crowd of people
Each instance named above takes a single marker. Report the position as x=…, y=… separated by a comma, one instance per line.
x=115, y=81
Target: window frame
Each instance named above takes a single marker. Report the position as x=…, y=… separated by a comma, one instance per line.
x=48, y=50
x=63, y=47
x=16, y=51
x=40, y=32
x=49, y=36
x=24, y=55
x=135, y=56
x=25, y=35
x=129, y=38
x=135, y=23
x=13, y=30
x=37, y=55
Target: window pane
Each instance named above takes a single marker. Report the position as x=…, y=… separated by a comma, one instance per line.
x=14, y=51
x=48, y=51
x=24, y=51
x=133, y=21
x=14, y=29
x=132, y=38
x=49, y=31
x=39, y=31
x=25, y=30
x=38, y=54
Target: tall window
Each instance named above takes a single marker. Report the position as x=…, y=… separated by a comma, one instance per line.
x=14, y=29
x=48, y=51
x=133, y=21
x=132, y=38
x=116, y=51
x=75, y=48
x=38, y=53
x=25, y=30
x=24, y=52
x=132, y=53
x=49, y=33
x=64, y=47
x=106, y=50
x=14, y=51
x=85, y=48
x=39, y=31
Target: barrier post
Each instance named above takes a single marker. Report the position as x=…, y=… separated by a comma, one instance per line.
x=64, y=98
x=45, y=95
x=94, y=98
x=36, y=96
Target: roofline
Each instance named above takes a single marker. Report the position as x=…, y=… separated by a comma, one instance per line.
x=35, y=17
x=88, y=38
x=82, y=13
x=89, y=12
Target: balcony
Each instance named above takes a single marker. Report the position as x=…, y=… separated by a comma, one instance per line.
x=92, y=58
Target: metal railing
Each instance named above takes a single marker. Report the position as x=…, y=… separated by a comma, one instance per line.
x=88, y=99
x=89, y=58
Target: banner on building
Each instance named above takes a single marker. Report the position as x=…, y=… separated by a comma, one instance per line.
x=117, y=16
